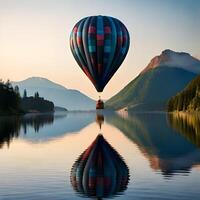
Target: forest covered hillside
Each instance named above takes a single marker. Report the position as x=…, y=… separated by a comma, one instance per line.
x=188, y=99
x=163, y=78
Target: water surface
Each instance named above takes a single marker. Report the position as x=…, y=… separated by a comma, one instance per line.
x=161, y=152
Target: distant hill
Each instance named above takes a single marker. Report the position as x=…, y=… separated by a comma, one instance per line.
x=59, y=95
x=151, y=90
x=188, y=99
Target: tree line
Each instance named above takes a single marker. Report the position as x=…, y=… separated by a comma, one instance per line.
x=188, y=99
x=9, y=97
x=12, y=103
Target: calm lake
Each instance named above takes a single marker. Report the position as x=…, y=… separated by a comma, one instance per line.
x=160, y=153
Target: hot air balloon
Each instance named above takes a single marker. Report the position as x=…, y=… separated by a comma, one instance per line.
x=100, y=171
x=99, y=44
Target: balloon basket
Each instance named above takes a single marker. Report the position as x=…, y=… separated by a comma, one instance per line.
x=99, y=104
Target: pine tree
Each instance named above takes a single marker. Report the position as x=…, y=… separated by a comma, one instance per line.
x=25, y=93
x=16, y=90
x=37, y=95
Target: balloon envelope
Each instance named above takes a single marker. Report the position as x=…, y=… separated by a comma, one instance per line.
x=99, y=44
x=100, y=171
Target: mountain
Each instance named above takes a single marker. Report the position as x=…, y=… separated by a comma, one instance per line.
x=157, y=83
x=59, y=95
x=171, y=58
x=188, y=99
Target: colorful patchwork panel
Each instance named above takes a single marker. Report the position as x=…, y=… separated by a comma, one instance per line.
x=99, y=44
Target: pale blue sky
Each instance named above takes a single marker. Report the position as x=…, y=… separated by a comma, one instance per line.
x=34, y=37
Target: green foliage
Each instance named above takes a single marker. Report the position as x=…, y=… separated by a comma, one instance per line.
x=9, y=98
x=188, y=99
x=151, y=90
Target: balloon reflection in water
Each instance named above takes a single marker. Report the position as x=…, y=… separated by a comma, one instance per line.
x=99, y=171
x=100, y=119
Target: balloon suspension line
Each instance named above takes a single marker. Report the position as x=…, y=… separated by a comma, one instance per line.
x=99, y=114
x=100, y=121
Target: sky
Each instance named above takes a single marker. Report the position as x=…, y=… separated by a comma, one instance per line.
x=34, y=37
